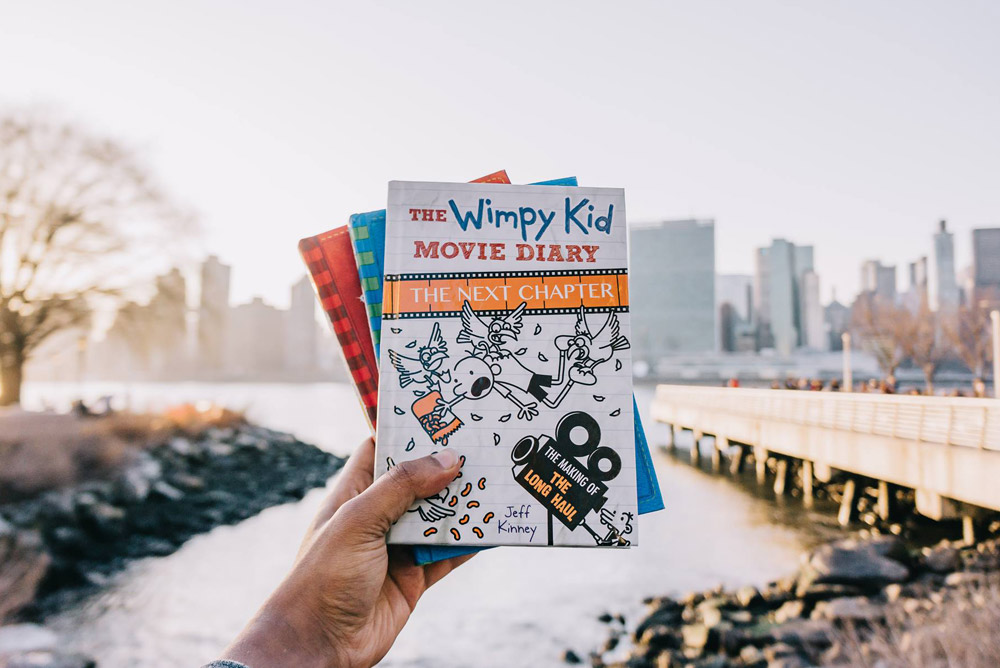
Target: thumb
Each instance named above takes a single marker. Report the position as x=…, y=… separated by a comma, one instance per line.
x=379, y=506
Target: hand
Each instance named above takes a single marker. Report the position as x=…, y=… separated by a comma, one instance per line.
x=527, y=411
x=348, y=594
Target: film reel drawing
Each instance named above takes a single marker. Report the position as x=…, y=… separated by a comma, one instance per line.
x=567, y=474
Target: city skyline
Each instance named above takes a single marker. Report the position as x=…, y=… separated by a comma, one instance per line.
x=755, y=116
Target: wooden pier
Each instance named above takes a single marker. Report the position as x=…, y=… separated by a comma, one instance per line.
x=946, y=449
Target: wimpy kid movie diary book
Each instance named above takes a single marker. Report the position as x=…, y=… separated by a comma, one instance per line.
x=506, y=338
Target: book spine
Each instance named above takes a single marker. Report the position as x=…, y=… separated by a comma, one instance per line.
x=337, y=302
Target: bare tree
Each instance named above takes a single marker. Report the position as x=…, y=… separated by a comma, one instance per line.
x=921, y=340
x=968, y=332
x=879, y=326
x=81, y=224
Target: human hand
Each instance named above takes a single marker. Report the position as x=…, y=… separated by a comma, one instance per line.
x=348, y=594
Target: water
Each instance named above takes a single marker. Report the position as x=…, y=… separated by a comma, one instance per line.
x=508, y=606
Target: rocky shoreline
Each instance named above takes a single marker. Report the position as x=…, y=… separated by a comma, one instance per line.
x=865, y=600
x=66, y=543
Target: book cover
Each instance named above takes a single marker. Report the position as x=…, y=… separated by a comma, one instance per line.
x=368, y=235
x=507, y=338
x=329, y=258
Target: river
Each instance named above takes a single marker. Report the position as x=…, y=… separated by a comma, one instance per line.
x=508, y=606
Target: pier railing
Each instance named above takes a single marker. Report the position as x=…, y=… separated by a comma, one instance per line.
x=973, y=423
x=947, y=449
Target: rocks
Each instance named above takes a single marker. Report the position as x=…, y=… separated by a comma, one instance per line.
x=790, y=610
x=964, y=579
x=870, y=564
x=854, y=609
x=571, y=657
x=168, y=493
x=942, y=559
x=748, y=596
x=814, y=632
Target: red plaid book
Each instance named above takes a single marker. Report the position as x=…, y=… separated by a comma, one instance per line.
x=330, y=259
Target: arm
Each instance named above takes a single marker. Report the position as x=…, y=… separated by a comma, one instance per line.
x=348, y=594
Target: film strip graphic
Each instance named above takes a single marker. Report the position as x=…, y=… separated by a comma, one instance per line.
x=441, y=295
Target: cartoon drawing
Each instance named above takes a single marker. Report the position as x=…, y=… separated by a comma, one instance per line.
x=490, y=338
x=492, y=367
x=425, y=369
x=567, y=475
x=588, y=350
x=614, y=536
x=475, y=378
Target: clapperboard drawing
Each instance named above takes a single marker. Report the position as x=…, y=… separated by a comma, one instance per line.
x=505, y=336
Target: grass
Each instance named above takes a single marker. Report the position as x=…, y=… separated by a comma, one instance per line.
x=44, y=451
x=957, y=630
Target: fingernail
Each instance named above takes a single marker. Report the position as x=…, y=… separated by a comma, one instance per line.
x=446, y=458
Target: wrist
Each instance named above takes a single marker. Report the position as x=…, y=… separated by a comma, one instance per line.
x=282, y=635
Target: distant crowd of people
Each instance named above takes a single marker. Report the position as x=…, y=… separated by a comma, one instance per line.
x=872, y=386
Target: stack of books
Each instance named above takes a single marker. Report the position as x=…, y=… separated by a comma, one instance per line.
x=492, y=319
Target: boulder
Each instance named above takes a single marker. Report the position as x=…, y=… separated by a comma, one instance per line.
x=569, y=656
x=942, y=559
x=854, y=608
x=817, y=632
x=135, y=482
x=964, y=578
x=788, y=611
x=749, y=596
x=871, y=563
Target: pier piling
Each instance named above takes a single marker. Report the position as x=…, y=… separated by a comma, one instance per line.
x=760, y=460
x=807, y=483
x=848, y=508
x=780, y=477
x=736, y=463
x=696, y=437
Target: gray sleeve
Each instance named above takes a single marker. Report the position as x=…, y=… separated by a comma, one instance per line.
x=224, y=664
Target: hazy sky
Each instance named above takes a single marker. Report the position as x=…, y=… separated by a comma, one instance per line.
x=850, y=125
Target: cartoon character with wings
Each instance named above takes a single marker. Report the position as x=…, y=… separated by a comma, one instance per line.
x=489, y=338
x=425, y=368
x=588, y=350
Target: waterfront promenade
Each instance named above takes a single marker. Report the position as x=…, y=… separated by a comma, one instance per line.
x=945, y=449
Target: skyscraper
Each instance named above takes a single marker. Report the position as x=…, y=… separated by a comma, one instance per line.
x=944, y=292
x=672, y=288
x=814, y=334
x=257, y=339
x=986, y=265
x=301, y=329
x=734, y=297
x=917, y=293
x=879, y=280
x=778, y=288
x=213, y=315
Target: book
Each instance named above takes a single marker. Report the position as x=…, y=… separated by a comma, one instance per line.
x=650, y=497
x=368, y=235
x=329, y=258
x=505, y=323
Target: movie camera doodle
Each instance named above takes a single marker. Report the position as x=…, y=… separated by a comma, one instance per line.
x=568, y=477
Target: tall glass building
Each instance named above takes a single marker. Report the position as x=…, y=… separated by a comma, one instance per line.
x=672, y=288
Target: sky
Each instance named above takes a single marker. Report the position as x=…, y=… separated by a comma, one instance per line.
x=851, y=125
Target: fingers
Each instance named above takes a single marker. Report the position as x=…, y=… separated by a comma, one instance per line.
x=354, y=478
x=379, y=506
